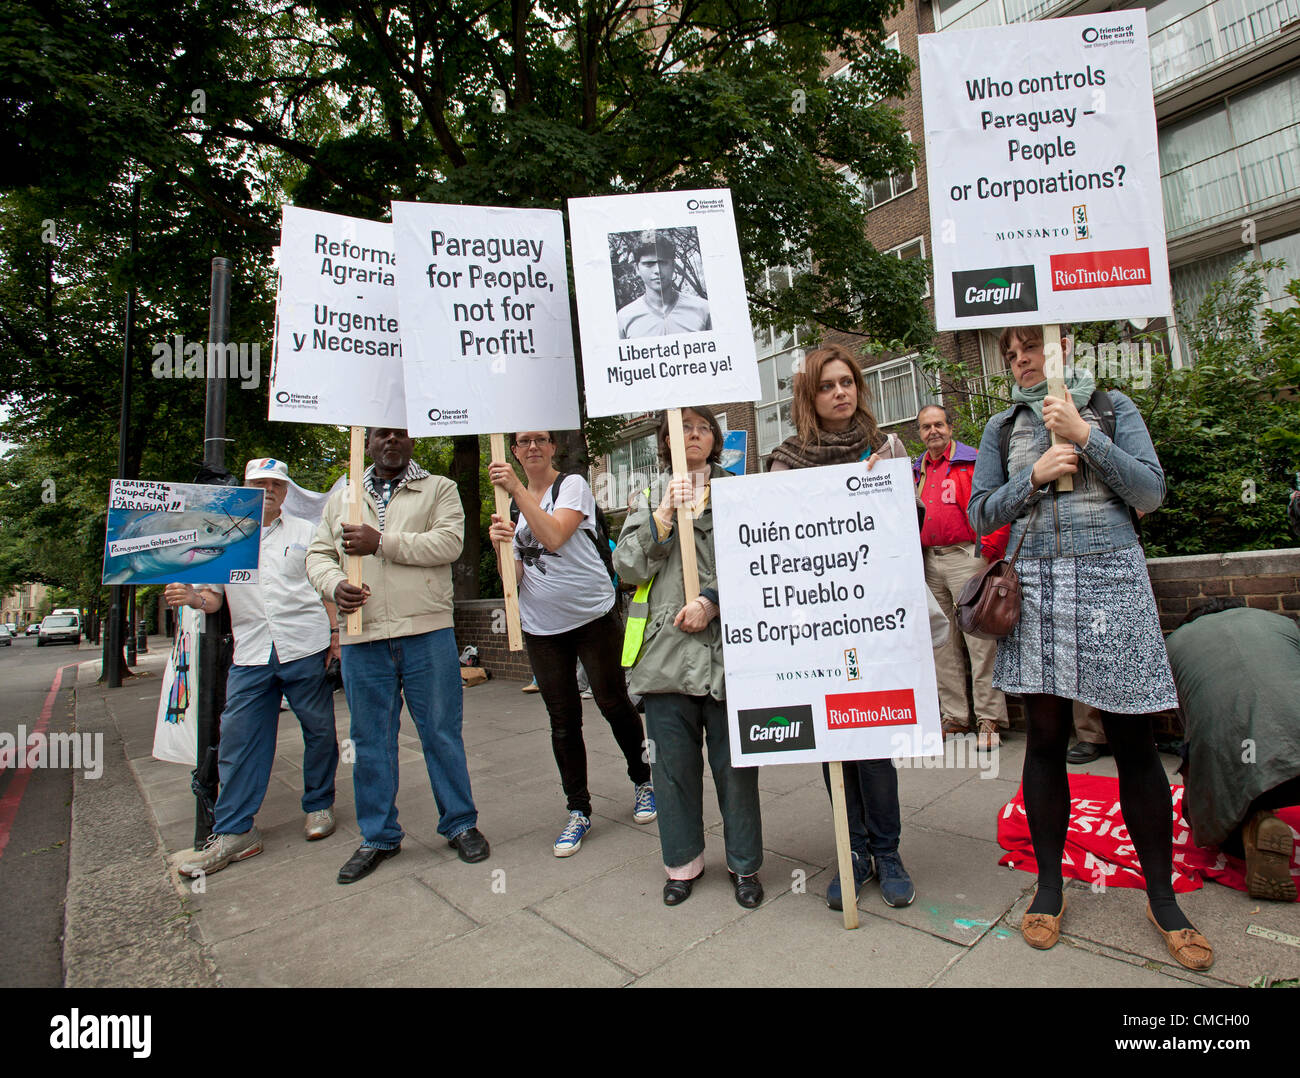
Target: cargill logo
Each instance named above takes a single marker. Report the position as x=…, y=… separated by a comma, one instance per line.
x=866, y=710
x=776, y=729
x=1003, y=290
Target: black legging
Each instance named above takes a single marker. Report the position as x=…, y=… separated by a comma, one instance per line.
x=1143, y=794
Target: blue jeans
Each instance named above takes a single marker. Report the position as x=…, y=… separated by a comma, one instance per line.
x=871, y=801
x=249, y=725
x=376, y=675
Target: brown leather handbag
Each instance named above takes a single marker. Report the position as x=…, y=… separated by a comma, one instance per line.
x=989, y=605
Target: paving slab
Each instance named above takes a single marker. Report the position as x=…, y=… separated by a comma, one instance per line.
x=969, y=809
x=961, y=891
x=1004, y=959
x=1116, y=918
x=525, y=872
x=344, y=942
x=794, y=941
x=621, y=915
x=519, y=951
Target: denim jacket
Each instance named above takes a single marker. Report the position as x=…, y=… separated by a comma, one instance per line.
x=1094, y=517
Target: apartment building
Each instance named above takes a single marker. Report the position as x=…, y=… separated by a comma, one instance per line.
x=1226, y=80
x=23, y=605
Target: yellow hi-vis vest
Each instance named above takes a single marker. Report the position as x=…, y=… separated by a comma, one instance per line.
x=638, y=612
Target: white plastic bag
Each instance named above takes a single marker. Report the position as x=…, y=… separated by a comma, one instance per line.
x=176, y=731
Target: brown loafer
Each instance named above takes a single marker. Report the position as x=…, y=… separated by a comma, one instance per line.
x=952, y=728
x=1269, y=846
x=1189, y=947
x=1042, y=930
x=988, y=737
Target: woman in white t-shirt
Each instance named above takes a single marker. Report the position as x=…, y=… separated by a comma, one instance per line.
x=566, y=608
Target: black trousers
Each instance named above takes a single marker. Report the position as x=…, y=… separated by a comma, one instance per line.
x=599, y=644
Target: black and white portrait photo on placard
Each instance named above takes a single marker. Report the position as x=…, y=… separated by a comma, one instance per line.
x=659, y=285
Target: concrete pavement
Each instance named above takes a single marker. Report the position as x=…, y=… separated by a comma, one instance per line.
x=527, y=918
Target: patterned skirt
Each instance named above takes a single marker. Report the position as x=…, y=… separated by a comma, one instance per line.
x=1088, y=631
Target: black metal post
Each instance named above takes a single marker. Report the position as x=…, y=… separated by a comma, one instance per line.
x=214, y=460
x=112, y=655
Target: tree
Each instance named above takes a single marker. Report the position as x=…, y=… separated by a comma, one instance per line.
x=225, y=107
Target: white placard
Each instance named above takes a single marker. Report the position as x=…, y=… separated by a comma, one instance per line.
x=1044, y=176
x=661, y=302
x=487, y=331
x=826, y=632
x=338, y=352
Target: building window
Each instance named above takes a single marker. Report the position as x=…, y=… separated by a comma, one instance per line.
x=898, y=390
x=777, y=352
x=632, y=465
x=908, y=251
x=1239, y=156
x=881, y=191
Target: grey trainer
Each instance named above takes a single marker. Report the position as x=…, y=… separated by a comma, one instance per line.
x=320, y=824
x=220, y=850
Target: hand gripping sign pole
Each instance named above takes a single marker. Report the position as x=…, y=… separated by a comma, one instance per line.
x=1054, y=368
x=685, y=522
x=506, y=554
x=355, y=466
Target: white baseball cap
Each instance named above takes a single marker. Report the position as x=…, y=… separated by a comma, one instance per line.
x=266, y=468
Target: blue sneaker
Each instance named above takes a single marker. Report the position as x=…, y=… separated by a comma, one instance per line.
x=570, y=840
x=863, y=871
x=895, y=884
x=643, y=807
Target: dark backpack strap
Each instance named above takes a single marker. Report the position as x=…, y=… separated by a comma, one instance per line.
x=1102, y=403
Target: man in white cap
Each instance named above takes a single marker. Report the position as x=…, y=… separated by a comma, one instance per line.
x=284, y=639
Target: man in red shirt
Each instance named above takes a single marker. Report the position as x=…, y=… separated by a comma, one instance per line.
x=953, y=554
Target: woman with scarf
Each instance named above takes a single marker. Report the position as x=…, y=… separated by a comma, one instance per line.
x=832, y=415
x=1088, y=626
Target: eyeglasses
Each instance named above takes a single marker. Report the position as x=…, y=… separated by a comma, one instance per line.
x=529, y=442
x=691, y=428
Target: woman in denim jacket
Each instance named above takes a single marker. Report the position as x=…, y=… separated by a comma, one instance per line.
x=1088, y=626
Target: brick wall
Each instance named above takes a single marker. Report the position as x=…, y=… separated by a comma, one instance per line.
x=475, y=620
x=1267, y=579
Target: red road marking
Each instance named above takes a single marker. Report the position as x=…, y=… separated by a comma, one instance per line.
x=14, y=795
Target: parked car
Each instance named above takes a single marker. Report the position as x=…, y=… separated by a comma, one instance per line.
x=60, y=629
x=12, y=627
x=33, y=629
x=6, y=637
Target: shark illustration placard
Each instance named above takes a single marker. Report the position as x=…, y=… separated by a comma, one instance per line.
x=160, y=533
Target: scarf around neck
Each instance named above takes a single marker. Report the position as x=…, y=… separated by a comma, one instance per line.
x=1080, y=383
x=835, y=447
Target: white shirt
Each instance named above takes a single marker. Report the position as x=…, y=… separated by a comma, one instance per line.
x=569, y=587
x=282, y=608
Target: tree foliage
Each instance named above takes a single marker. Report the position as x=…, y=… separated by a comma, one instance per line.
x=222, y=109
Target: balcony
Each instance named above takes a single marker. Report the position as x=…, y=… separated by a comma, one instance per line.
x=1213, y=34
x=1245, y=179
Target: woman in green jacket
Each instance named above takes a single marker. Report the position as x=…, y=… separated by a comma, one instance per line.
x=678, y=671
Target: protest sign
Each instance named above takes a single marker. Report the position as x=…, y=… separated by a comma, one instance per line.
x=183, y=532
x=338, y=353
x=735, y=450
x=487, y=331
x=661, y=302
x=825, y=628
x=1044, y=176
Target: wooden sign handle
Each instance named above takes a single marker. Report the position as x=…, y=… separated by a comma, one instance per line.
x=356, y=465
x=1055, y=369
x=685, y=523
x=843, y=849
x=506, y=554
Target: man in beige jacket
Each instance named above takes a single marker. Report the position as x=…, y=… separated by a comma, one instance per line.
x=412, y=530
